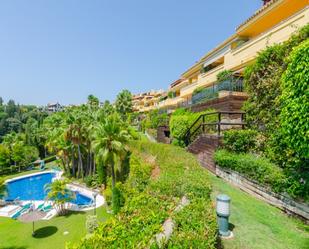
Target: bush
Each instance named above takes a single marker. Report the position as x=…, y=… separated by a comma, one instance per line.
x=182, y=119
x=108, y=195
x=91, y=223
x=295, y=101
x=92, y=180
x=240, y=141
x=224, y=75
x=255, y=168
x=154, y=119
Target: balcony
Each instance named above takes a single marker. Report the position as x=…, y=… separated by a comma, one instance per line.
x=170, y=102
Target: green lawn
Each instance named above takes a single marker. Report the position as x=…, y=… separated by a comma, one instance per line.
x=50, y=234
x=258, y=225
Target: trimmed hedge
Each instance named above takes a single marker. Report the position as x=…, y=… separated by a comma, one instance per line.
x=255, y=168
x=264, y=172
x=150, y=198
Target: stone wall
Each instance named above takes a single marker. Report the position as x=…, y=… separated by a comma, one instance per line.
x=163, y=134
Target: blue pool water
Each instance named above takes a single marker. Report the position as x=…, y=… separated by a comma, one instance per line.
x=33, y=188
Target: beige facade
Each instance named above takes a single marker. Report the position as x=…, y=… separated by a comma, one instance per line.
x=274, y=23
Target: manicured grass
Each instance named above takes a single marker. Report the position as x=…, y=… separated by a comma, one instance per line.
x=257, y=225
x=50, y=234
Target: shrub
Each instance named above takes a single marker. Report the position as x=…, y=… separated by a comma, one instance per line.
x=91, y=223
x=240, y=141
x=295, y=101
x=198, y=90
x=182, y=119
x=255, y=168
x=108, y=195
x=92, y=180
x=224, y=75
x=154, y=119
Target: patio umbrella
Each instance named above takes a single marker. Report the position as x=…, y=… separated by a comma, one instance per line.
x=32, y=216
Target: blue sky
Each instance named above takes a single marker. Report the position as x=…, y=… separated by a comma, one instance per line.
x=64, y=50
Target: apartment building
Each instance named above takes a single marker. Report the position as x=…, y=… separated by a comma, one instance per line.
x=273, y=23
x=147, y=101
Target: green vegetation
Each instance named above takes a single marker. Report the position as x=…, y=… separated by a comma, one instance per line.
x=240, y=141
x=224, y=75
x=59, y=194
x=277, y=114
x=109, y=146
x=154, y=119
x=256, y=168
x=155, y=185
x=182, y=119
x=124, y=103
x=20, y=118
x=15, y=153
x=80, y=135
x=256, y=224
x=295, y=101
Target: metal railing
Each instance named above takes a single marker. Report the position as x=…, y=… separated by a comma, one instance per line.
x=204, y=124
x=211, y=92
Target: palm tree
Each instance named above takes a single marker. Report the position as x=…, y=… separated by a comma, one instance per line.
x=110, y=141
x=124, y=103
x=59, y=194
x=76, y=134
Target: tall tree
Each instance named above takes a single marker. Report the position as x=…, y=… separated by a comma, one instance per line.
x=124, y=103
x=110, y=142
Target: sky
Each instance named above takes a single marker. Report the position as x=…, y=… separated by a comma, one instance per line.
x=64, y=50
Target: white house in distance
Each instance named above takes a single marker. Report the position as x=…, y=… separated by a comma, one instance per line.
x=54, y=107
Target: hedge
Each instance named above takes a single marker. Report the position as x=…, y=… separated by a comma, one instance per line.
x=262, y=171
x=240, y=141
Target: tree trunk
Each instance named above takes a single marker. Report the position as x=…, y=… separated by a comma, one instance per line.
x=81, y=167
x=90, y=163
x=113, y=174
x=73, y=163
x=94, y=165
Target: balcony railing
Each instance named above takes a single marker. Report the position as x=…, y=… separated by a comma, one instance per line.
x=211, y=92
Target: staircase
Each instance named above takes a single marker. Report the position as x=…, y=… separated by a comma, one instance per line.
x=204, y=137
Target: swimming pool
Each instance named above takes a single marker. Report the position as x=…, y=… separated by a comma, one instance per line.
x=32, y=188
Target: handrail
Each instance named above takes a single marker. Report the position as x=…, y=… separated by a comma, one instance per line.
x=191, y=132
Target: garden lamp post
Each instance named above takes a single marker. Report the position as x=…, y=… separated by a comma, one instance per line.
x=94, y=194
x=223, y=213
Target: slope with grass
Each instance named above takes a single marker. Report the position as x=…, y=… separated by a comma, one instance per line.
x=257, y=225
x=160, y=176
